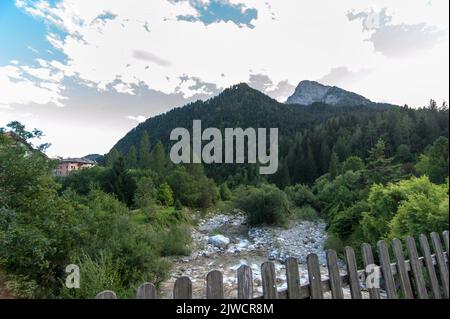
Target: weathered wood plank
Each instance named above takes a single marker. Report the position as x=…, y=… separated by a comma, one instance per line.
x=443, y=270
x=315, y=282
x=416, y=268
x=269, y=280
x=245, y=282
x=182, y=288
x=352, y=273
x=293, y=278
x=214, y=285
x=405, y=283
x=334, y=275
x=383, y=254
x=146, y=291
x=368, y=260
x=426, y=253
x=107, y=294
x=445, y=234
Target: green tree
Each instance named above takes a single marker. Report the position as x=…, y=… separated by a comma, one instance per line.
x=165, y=195
x=405, y=208
x=263, y=205
x=146, y=193
x=334, y=165
x=158, y=159
x=132, y=159
x=379, y=167
x=353, y=163
x=225, y=193
x=144, y=151
x=434, y=163
x=121, y=183
x=112, y=157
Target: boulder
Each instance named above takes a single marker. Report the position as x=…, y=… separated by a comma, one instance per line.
x=219, y=241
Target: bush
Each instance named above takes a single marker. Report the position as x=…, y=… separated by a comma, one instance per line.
x=263, y=205
x=176, y=241
x=165, y=195
x=301, y=195
x=306, y=213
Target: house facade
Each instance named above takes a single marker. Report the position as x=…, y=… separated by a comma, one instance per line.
x=67, y=165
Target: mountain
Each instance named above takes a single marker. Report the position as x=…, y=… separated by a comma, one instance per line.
x=309, y=92
x=238, y=106
x=93, y=157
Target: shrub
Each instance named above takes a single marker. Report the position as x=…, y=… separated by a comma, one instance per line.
x=306, y=213
x=165, y=195
x=301, y=195
x=263, y=205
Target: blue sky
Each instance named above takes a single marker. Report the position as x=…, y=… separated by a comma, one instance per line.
x=94, y=69
x=22, y=35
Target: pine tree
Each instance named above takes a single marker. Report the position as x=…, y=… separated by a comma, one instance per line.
x=112, y=157
x=380, y=169
x=121, y=183
x=144, y=151
x=132, y=157
x=158, y=158
x=334, y=165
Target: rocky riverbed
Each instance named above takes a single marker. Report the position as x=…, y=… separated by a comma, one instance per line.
x=225, y=242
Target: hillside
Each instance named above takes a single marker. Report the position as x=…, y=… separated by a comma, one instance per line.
x=238, y=106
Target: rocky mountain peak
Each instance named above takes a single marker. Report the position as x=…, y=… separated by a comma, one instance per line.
x=309, y=92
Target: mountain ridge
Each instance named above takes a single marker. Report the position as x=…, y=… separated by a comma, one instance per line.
x=309, y=92
x=238, y=106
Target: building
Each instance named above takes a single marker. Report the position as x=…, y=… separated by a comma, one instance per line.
x=67, y=165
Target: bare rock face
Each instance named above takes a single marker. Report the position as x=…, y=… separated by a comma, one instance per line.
x=309, y=92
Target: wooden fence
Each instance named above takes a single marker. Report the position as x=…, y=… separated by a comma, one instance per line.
x=421, y=277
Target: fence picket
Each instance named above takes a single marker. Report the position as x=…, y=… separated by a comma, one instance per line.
x=368, y=260
x=352, y=273
x=146, y=291
x=334, y=275
x=214, y=285
x=269, y=280
x=182, y=288
x=405, y=283
x=416, y=267
x=107, y=294
x=443, y=270
x=383, y=255
x=245, y=282
x=445, y=234
x=315, y=285
x=426, y=253
x=293, y=278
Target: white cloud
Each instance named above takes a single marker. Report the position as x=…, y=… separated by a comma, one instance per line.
x=139, y=118
x=23, y=85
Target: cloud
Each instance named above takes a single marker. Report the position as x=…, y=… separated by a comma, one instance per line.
x=23, y=85
x=397, y=40
x=343, y=77
x=147, y=56
x=139, y=118
x=279, y=91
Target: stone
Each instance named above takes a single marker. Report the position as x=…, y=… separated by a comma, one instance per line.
x=219, y=241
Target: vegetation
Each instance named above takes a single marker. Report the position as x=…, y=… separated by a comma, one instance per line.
x=45, y=226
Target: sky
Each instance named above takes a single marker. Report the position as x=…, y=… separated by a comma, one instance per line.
x=85, y=72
